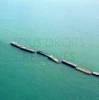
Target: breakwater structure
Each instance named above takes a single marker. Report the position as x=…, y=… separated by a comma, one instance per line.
x=50, y=57
x=84, y=70
x=74, y=66
x=42, y=53
x=54, y=59
x=22, y=47
x=95, y=73
x=69, y=63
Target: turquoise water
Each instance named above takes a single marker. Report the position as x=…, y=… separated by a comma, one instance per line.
x=67, y=29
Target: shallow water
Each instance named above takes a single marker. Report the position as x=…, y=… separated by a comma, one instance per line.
x=67, y=29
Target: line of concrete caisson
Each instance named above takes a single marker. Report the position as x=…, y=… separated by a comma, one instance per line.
x=52, y=58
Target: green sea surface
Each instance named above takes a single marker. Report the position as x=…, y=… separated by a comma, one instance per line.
x=66, y=29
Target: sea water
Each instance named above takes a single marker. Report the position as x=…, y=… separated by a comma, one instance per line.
x=66, y=29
